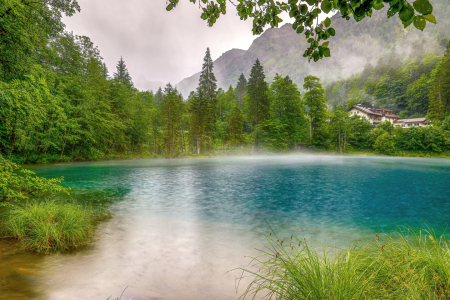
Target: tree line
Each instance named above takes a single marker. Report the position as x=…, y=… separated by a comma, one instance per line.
x=59, y=103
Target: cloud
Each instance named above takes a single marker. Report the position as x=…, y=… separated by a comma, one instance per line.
x=162, y=46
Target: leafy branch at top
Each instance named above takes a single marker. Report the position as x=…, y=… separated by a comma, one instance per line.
x=305, y=14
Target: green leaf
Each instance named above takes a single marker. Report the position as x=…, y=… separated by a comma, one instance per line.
x=430, y=18
x=310, y=40
x=326, y=52
x=419, y=22
x=169, y=7
x=423, y=6
x=407, y=23
x=325, y=45
x=407, y=13
x=327, y=22
x=300, y=29
x=378, y=6
x=331, y=31
x=311, y=2
x=326, y=6
x=303, y=9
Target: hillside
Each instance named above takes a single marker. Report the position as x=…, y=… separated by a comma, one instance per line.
x=280, y=50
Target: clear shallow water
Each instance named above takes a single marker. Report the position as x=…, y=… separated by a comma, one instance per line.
x=180, y=225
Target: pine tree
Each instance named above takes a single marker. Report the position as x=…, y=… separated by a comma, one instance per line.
x=235, y=126
x=315, y=99
x=241, y=89
x=257, y=106
x=440, y=89
x=203, y=105
x=122, y=73
x=105, y=71
x=207, y=89
x=171, y=113
x=157, y=100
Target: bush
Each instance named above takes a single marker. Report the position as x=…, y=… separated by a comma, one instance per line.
x=17, y=184
x=51, y=225
x=384, y=144
x=407, y=264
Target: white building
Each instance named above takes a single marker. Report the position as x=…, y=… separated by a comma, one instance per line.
x=417, y=122
x=373, y=115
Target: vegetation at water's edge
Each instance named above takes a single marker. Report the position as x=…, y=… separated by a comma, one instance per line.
x=408, y=264
x=49, y=225
x=37, y=212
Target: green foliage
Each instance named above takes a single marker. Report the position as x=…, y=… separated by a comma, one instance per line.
x=17, y=184
x=408, y=264
x=235, y=127
x=241, y=89
x=384, y=144
x=315, y=100
x=257, y=103
x=49, y=225
x=287, y=123
x=122, y=73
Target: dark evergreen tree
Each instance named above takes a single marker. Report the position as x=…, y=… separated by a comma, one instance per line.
x=105, y=71
x=204, y=104
x=158, y=97
x=171, y=113
x=258, y=105
x=241, y=89
x=122, y=73
x=315, y=99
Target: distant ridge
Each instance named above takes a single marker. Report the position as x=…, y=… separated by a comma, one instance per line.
x=280, y=50
x=141, y=83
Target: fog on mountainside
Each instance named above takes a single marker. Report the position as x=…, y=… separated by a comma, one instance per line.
x=143, y=84
x=280, y=50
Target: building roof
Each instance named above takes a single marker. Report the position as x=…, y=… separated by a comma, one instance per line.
x=373, y=111
x=415, y=120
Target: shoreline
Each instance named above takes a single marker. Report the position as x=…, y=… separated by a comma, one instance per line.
x=126, y=157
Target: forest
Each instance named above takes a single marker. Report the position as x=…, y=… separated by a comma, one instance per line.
x=59, y=102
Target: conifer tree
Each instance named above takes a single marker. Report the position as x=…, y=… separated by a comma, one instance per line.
x=203, y=105
x=440, y=89
x=315, y=99
x=235, y=126
x=241, y=89
x=158, y=97
x=171, y=113
x=257, y=106
x=122, y=73
x=207, y=90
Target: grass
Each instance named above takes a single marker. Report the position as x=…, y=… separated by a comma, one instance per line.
x=51, y=225
x=408, y=264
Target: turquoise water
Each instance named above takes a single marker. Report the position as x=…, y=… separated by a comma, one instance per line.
x=374, y=194
x=180, y=225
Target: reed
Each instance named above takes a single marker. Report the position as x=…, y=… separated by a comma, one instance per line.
x=407, y=264
x=50, y=225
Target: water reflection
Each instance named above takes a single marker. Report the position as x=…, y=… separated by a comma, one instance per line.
x=180, y=225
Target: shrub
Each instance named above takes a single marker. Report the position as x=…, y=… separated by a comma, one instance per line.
x=51, y=225
x=18, y=184
x=384, y=144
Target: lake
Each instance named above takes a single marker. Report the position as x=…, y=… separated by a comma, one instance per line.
x=181, y=226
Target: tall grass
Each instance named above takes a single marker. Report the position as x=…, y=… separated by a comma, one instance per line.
x=407, y=264
x=51, y=225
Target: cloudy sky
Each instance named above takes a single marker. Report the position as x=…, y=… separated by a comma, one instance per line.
x=162, y=46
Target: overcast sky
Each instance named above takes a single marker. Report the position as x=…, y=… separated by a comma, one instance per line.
x=163, y=46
